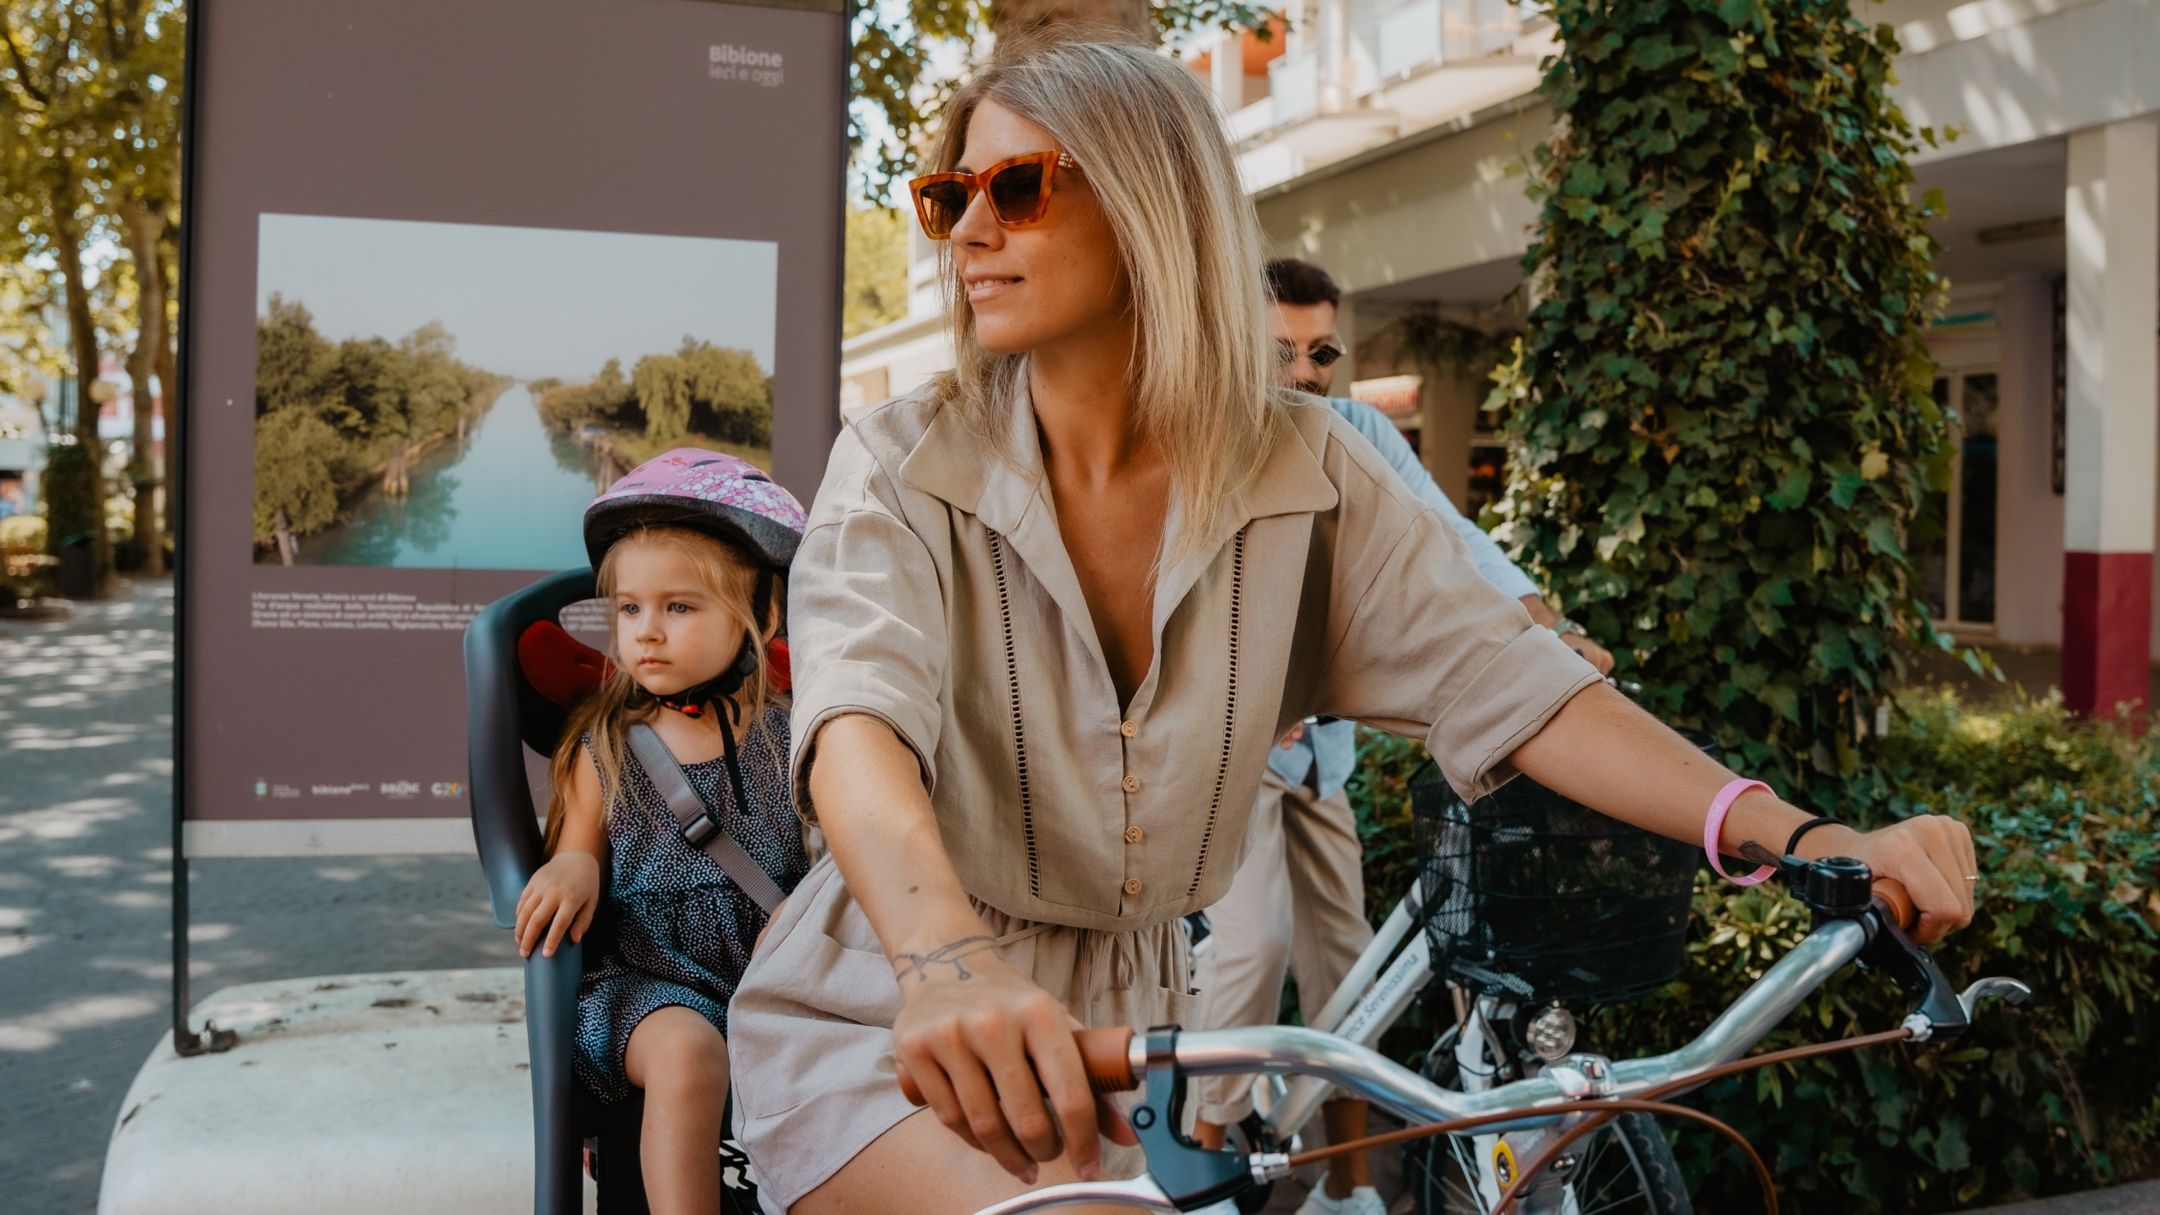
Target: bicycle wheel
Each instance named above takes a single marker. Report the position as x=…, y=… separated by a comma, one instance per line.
x=1626, y=1168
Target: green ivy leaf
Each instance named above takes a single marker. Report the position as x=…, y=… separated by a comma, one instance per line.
x=1792, y=488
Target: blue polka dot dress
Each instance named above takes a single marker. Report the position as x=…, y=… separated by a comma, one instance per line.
x=673, y=928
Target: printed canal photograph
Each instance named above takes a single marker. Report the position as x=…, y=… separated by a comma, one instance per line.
x=453, y=395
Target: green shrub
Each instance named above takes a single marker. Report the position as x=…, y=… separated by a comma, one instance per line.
x=2057, y=1096
x=73, y=505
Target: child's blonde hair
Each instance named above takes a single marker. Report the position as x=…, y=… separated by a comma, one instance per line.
x=606, y=716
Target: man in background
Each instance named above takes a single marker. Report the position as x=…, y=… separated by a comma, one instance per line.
x=1297, y=905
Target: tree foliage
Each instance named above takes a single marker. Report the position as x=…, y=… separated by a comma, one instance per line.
x=909, y=59
x=295, y=473
x=876, y=289
x=1720, y=421
x=700, y=391
x=329, y=415
x=90, y=91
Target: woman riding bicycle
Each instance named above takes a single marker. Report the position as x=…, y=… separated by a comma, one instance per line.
x=1036, y=682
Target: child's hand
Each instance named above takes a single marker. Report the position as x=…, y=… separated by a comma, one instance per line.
x=560, y=898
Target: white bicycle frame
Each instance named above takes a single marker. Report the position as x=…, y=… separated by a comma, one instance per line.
x=1362, y=1007
x=1370, y=999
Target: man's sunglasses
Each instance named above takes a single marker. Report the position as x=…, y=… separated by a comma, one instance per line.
x=1019, y=191
x=1323, y=356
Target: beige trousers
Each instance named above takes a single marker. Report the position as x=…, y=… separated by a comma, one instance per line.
x=1296, y=907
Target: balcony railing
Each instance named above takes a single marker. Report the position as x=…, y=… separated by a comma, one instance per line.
x=1294, y=87
x=1425, y=32
x=1410, y=37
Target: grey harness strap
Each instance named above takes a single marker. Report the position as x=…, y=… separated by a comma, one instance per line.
x=695, y=819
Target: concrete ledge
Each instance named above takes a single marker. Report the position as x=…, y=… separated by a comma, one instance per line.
x=2138, y=1198
x=399, y=1092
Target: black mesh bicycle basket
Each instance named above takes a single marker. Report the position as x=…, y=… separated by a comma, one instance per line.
x=1534, y=897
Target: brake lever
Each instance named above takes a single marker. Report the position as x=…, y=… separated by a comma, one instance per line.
x=1996, y=987
x=1189, y=1175
x=1937, y=1008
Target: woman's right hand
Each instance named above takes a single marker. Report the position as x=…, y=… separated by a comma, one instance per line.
x=993, y=1055
x=559, y=900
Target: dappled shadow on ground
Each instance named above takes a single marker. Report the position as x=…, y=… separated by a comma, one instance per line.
x=85, y=892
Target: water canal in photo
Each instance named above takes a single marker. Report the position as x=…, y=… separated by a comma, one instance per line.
x=513, y=497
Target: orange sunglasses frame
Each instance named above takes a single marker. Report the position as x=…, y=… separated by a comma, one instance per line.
x=977, y=183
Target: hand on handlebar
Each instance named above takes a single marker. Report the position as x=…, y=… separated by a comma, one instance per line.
x=993, y=1055
x=1929, y=855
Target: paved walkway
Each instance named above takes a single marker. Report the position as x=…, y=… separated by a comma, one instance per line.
x=85, y=876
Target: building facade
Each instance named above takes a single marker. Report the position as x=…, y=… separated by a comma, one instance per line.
x=1383, y=140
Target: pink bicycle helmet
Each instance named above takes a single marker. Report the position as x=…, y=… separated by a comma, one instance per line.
x=724, y=496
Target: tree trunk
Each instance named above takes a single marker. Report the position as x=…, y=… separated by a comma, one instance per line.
x=288, y=545
x=142, y=224
x=168, y=374
x=82, y=330
x=1090, y=18
x=82, y=341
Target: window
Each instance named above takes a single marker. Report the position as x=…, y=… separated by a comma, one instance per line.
x=1488, y=463
x=1954, y=538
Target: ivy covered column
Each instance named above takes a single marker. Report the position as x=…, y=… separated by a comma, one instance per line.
x=1720, y=422
x=2112, y=252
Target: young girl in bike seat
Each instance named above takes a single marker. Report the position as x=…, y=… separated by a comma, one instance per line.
x=690, y=549
x=1052, y=613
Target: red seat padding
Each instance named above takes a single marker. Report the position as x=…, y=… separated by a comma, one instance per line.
x=559, y=666
x=776, y=658
x=566, y=670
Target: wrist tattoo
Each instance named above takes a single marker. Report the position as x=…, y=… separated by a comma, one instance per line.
x=955, y=955
x=1752, y=851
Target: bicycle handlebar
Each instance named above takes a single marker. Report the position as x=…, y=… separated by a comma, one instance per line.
x=1857, y=919
x=1106, y=1052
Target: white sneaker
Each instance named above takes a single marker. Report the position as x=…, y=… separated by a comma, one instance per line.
x=1364, y=1200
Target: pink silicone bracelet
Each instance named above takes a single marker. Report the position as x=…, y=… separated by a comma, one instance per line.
x=1714, y=826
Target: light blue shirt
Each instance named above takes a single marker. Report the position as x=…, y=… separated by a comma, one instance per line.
x=1332, y=746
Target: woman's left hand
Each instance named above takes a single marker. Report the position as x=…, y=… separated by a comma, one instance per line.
x=1930, y=854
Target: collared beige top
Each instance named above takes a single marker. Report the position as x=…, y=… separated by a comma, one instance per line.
x=933, y=591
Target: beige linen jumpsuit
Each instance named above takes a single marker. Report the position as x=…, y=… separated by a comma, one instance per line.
x=933, y=592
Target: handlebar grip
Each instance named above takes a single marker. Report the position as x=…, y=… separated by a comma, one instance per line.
x=1105, y=1054
x=1890, y=895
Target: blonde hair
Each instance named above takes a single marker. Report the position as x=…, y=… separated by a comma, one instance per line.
x=1149, y=141
x=606, y=716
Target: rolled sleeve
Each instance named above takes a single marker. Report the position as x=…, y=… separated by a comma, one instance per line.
x=1491, y=561
x=866, y=626
x=1429, y=646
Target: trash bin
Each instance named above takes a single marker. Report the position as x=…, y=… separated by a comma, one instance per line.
x=78, y=566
